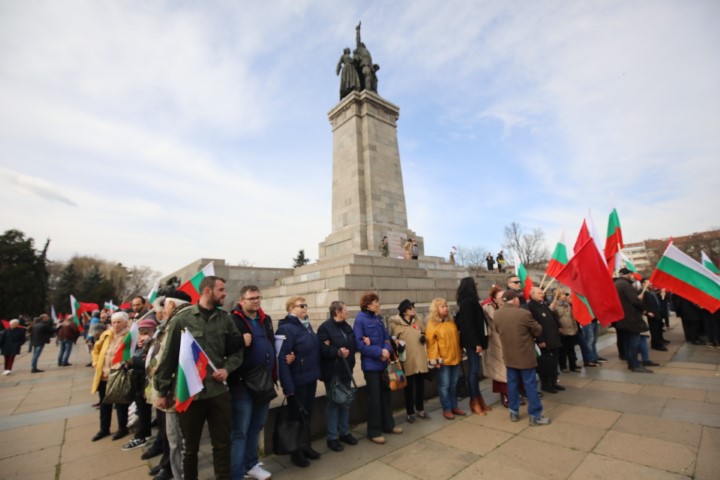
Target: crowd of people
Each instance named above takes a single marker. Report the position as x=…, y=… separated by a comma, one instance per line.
x=522, y=345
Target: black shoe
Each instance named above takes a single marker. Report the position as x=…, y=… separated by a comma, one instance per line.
x=641, y=370
x=153, y=452
x=349, y=439
x=163, y=475
x=559, y=387
x=67, y=364
x=695, y=342
x=549, y=389
x=661, y=348
x=335, y=445
x=36, y=370
x=650, y=364
x=123, y=432
x=622, y=358
x=155, y=470
x=666, y=342
x=100, y=435
x=88, y=364
x=601, y=360
x=310, y=453
x=299, y=459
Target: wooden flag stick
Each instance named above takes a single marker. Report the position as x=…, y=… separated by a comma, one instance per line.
x=543, y=280
x=552, y=280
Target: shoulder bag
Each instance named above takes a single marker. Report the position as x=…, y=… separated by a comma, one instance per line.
x=290, y=435
x=260, y=383
x=339, y=392
x=119, y=386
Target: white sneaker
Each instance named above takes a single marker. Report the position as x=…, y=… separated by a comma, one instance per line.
x=6, y=372
x=258, y=472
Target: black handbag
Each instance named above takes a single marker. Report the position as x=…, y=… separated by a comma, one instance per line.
x=290, y=435
x=260, y=383
x=463, y=385
x=339, y=392
x=119, y=387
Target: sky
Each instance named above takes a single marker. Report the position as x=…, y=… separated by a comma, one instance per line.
x=156, y=133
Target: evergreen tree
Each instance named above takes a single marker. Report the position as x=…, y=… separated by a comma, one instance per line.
x=300, y=260
x=23, y=276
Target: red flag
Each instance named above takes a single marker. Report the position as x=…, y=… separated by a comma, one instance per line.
x=581, y=310
x=586, y=273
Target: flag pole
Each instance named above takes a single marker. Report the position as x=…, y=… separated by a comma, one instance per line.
x=543, y=280
x=552, y=280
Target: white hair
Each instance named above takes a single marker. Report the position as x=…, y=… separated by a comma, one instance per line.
x=120, y=316
x=176, y=301
x=15, y=322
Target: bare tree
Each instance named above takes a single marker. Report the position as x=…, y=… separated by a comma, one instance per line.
x=139, y=281
x=470, y=257
x=530, y=247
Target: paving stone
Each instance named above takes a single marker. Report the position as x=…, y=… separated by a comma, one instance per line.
x=564, y=434
x=693, y=366
x=30, y=439
x=673, y=392
x=598, y=467
x=670, y=456
x=499, y=419
x=375, y=469
x=661, y=429
x=541, y=458
x=712, y=397
x=38, y=464
x=471, y=438
x=614, y=386
x=497, y=468
x=686, y=372
x=593, y=417
x=693, y=412
x=429, y=460
x=708, y=462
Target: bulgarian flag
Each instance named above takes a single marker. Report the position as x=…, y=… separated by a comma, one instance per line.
x=127, y=346
x=76, y=308
x=526, y=282
x=559, y=258
x=152, y=296
x=680, y=274
x=707, y=263
x=192, y=368
x=613, y=239
x=581, y=309
x=109, y=305
x=192, y=286
x=629, y=265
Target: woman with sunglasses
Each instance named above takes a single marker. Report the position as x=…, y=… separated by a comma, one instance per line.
x=569, y=331
x=493, y=362
x=299, y=379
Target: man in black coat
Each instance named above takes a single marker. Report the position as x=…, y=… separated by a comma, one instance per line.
x=550, y=336
x=651, y=305
x=42, y=332
x=632, y=324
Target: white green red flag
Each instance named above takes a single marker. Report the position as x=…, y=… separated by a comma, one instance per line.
x=629, y=265
x=109, y=305
x=126, y=349
x=581, y=309
x=77, y=308
x=192, y=369
x=707, y=263
x=613, y=239
x=152, y=296
x=526, y=282
x=680, y=274
x=559, y=258
x=192, y=286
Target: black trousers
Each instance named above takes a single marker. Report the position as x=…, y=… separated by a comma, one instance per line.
x=161, y=441
x=379, y=415
x=566, y=354
x=548, y=366
x=217, y=411
x=620, y=341
x=415, y=393
x=143, y=410
x=656, y=331
x=121, y=410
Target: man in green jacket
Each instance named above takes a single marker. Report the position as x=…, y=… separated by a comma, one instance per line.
x=212, y=328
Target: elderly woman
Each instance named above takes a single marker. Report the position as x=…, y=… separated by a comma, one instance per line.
x=102, y=356
x=493, y=361
x=11, y=341
x=375, y=347
x=299, y=379
x=445, y=354
x=337, y=348
x=408, y=329
x=569, y=331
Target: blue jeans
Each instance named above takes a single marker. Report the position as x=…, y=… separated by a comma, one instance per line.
x=337, y=417
x=632, y=342
x=589, y=333
x=447, y=386
x=248, y=419
x=644, y=353
x=527, y=376
x=66, y=347
x=474, y=373
x=37, y=350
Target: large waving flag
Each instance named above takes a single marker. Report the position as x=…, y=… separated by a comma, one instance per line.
x=680, y=274
x=559, y=258
x=586, y=273
x=192, y=369
x=78, y=308
x=152, y=296
x=629, y=265
x=707, y=263
x=192, y=286
x=126, y=349
x=581, y=309
x=613, y=239
x=526, y=282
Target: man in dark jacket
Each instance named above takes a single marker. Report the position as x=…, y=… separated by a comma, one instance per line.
x=651, y=305
x=249, y=415
x=42, y=331
x=550, y=336
x=632, y=324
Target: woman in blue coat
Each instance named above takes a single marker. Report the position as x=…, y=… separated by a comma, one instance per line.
x=299, y=379
x=374, y=344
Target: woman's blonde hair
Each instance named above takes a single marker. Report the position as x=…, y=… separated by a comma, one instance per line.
x=290, y=302
x=434, y=315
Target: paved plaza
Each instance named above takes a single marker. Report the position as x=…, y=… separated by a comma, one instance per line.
x=609, y=423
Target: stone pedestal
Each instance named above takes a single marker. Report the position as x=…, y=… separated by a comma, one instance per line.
x=368, y=197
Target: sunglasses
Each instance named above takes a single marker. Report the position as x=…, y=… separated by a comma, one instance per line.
x=253, y=299
x=516, y=281
x=301, y=305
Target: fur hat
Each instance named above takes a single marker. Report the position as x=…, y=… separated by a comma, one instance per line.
x=404, y=305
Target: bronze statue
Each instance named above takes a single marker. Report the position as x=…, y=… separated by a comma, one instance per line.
x=358, y=69
x=349, y=81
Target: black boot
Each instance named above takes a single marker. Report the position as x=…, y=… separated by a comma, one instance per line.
x=299, y=459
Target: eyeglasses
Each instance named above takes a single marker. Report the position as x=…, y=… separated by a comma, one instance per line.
x=515, y=281
x=253, y=299
x=301, y=305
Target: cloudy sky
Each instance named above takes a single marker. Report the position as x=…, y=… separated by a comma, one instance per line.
x=156, y=133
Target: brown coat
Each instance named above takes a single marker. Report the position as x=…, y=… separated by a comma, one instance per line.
x=518, y=331
x=416, y=360
x=568, y=325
